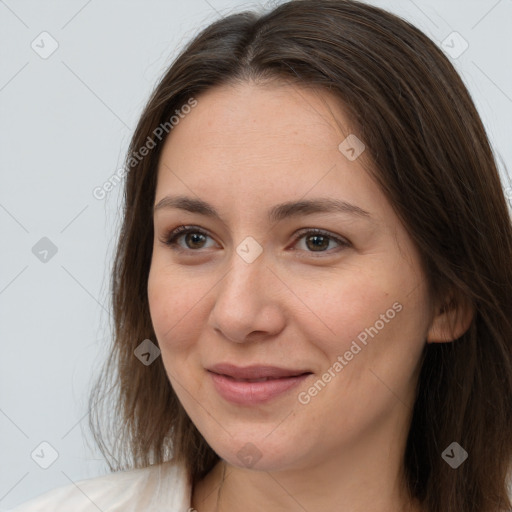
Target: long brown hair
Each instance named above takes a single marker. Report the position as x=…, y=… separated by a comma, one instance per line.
x=433, y=161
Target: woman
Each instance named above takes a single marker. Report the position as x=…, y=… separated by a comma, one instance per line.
x=312, y=287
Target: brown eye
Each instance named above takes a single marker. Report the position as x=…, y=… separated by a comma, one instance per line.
x=315, y=242
x=194, y=238
x=318, y=241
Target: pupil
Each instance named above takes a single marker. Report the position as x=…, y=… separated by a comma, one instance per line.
x=321, y=238
x=194, y=237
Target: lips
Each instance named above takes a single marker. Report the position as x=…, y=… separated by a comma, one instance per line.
x=255, y=373
x=251, y=388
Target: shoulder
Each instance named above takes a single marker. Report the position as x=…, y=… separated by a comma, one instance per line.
x=152, y=489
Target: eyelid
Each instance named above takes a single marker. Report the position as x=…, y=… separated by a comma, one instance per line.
x=171, y=237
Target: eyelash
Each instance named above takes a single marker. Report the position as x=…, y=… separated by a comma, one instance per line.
x=171, y=238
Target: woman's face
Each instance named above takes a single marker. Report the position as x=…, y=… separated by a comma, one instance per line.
x=252, y=285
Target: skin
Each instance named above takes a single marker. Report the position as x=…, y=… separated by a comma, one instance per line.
x=245, y=148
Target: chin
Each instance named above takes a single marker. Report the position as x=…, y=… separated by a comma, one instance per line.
x=257, y=452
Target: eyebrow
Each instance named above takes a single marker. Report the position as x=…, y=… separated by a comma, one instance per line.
x=275, y=214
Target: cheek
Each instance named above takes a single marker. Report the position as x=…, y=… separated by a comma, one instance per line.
x=173, y=302
x=339, y=306
x=369, y=316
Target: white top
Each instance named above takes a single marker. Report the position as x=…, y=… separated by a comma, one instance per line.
x=158, y=488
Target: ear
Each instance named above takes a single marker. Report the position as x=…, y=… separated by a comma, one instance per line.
x=452, y=320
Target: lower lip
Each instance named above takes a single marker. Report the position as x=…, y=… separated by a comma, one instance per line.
x=252, y=393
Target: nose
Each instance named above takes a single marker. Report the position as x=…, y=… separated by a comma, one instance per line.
x=248, y=301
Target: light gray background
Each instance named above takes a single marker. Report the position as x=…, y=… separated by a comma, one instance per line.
x=65, y=123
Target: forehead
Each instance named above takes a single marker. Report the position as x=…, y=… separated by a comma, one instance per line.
x=244, y=114
x=251, y=146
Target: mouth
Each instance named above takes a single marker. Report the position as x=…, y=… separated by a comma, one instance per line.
x=254, y=385
x=255, y=373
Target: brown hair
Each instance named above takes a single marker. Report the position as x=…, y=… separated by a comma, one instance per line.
x=432, y=159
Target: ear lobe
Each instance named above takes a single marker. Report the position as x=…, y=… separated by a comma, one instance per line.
x=451, y=322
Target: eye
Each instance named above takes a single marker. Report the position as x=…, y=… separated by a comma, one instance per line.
x=316, y=240
x=193, y=235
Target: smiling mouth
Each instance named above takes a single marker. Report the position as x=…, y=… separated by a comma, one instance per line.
x=257, y=388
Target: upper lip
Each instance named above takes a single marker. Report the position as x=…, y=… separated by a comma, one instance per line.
x=254, y=371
